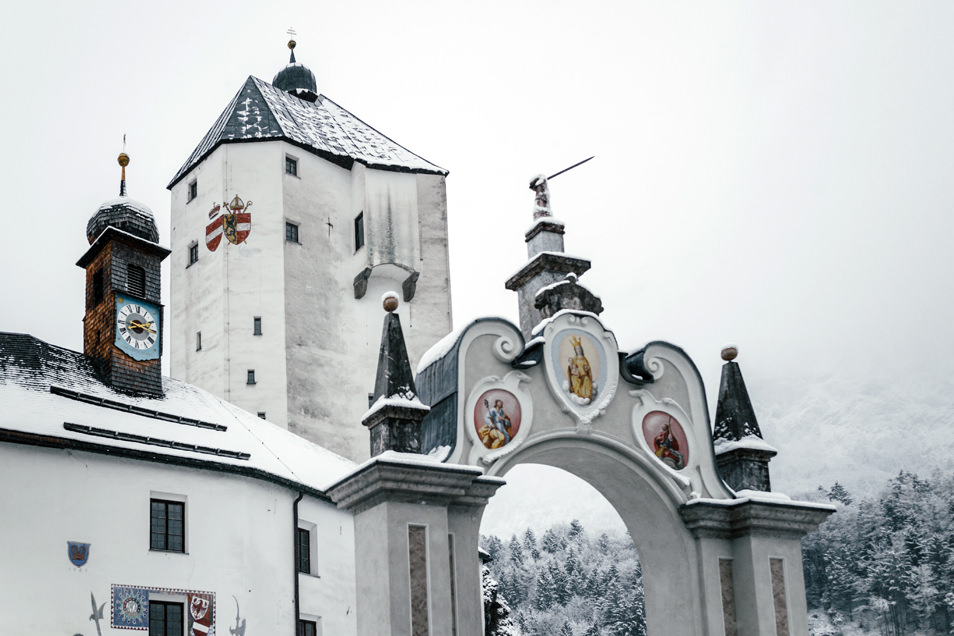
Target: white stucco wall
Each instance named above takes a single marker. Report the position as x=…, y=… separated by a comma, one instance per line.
x=315, y=362
x=239, y=541
x=225, y=290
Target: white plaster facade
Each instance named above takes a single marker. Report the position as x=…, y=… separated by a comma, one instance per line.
x=239, y=542
x=315, y=360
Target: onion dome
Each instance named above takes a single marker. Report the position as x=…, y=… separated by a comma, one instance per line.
x=296, y=78
x=123, y=214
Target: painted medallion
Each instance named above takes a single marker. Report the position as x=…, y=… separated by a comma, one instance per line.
x=130, y=607
x=666, y=439
x=581, y=363
x=497, y=417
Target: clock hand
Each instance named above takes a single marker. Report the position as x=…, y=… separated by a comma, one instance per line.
x=139, y=325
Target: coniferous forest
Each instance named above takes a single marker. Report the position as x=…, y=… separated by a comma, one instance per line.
x=882, y=565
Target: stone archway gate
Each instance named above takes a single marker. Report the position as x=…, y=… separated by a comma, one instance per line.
x=635, y=426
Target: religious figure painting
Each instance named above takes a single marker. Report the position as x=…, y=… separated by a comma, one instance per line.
x=581, y=361
x=667, y=439
x=497, y=418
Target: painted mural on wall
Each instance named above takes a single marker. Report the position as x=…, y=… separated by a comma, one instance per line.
x=235, y=225
x=582, y=361
x=497, y=416
x=130, y=608
x=667, y=439
x=77, y=552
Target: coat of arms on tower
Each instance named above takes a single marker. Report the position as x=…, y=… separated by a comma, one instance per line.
x=236, y=225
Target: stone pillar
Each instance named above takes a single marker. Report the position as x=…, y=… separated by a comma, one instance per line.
x=751, y=557
x=416, y=526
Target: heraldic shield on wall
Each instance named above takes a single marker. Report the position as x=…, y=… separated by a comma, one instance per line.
x=582, y=364
x=235, y=225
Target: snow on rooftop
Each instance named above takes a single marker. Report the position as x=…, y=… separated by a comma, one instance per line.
x=29, y=367
x=262, y=111
x=439, y=349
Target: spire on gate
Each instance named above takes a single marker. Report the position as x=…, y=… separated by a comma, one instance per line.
x=741, y=453
x=395, y=416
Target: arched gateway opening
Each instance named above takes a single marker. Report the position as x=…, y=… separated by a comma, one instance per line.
x=647, y=512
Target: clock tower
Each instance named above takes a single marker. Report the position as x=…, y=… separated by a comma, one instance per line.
x=122, y=329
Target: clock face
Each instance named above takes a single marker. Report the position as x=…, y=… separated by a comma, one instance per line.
x=137, y=328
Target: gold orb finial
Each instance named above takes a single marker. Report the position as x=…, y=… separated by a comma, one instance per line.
x=729, y=353
x=123, y=159
x=390, y=302
x=292, y=44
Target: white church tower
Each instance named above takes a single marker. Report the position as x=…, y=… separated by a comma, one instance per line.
x=290, y=219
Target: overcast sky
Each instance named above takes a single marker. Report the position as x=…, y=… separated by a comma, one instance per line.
x=772, y=174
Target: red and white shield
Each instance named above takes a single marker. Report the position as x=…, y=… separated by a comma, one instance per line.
x=213, y=234
x=200, y=606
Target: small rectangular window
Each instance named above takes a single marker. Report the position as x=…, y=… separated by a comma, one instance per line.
x=291, y=232
x=257, y=326
x=261, y=415
x=304, y=551
x=359, y=231
x=291, y=166
x=97, y=286
x=136, y=280
x=165, y=619
x=193, y=190
x=193, y=253
x=308, y=628
x=251, y=377
x=198, y=341
x=166, y=525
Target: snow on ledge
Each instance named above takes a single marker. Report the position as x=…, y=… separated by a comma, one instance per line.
x=749, y=442
x=407, y=403
x=537, y=330
x=758, y=496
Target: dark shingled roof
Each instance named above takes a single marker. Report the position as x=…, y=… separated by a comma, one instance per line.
x=262, y=112
x=125, y=214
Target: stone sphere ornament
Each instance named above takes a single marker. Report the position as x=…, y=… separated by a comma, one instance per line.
x=390, y=301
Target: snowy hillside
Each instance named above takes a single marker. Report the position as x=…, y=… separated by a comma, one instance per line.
x=860, y=434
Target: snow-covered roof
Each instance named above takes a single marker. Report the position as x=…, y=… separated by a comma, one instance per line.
x=52, y=396
x=261, y=112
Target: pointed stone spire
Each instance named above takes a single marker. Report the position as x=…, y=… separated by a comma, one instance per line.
x=396, y=413
x=741, y=453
